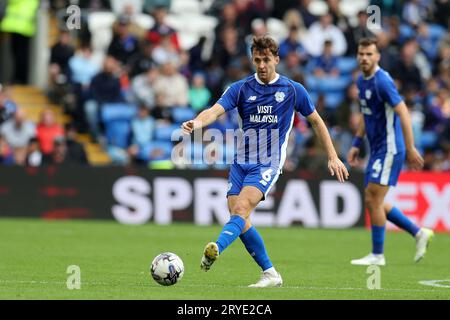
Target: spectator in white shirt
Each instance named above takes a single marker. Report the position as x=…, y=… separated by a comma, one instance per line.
x=321, y=31
x=17, y=132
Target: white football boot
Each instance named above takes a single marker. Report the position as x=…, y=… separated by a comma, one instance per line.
x=268, y=280
x=423, y=239
x=370, y=259
x=210, y=254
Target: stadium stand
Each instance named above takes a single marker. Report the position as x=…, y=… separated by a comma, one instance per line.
x=211, y=38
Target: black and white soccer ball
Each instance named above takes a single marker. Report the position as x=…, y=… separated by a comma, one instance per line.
x=167, y=269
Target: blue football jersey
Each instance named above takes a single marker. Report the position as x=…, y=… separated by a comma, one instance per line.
x=266, y=113
x=378, y=96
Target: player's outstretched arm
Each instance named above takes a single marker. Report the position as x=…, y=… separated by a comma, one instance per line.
x=352, y=156
x=205, y=118
x=335, y=165
x=415, y=160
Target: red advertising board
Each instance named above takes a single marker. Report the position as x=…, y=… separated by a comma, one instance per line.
x=424, y=197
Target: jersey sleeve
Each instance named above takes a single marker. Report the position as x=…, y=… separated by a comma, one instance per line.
x=229, y=98
x=303, y=102
x=388, y=91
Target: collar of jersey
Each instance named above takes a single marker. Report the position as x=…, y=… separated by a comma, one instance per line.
x=277, y=76
x=370, y=77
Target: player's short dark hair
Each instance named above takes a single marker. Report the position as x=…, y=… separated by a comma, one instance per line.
x=262, y=43
x=368, y=41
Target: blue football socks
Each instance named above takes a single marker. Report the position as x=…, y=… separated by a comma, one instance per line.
x=230, y=231
x=400, y=220
x=378, y=234
x=255, y=246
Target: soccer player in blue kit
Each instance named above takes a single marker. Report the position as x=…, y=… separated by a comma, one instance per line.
x=266, y=103
x=388, y=128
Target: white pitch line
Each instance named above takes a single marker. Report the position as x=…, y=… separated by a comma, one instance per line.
x=230, y=287
x=435, y=283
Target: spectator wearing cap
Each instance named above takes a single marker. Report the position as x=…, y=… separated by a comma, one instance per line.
x=357, y=33
x=124, y=44
x=17, y=133
x=162, y=28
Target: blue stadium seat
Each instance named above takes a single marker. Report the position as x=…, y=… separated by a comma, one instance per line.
x=165, y=148
x=334, y=99
x=164, y=132
x=118, y=133
x=346, y=64
x=182, y=114
x=429, y=139
x=328, y=84
x=436, y=31
x=118, y=111
x=406, y=31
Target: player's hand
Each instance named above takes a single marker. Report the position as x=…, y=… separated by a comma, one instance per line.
x=336, y=167
x=415, y=160
x=352, y=156
x=188, y=126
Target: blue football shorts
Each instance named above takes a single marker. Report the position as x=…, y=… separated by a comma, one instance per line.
x=384, y=168
x=260, y=176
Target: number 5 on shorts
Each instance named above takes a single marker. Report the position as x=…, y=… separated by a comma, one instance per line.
x=266, y=177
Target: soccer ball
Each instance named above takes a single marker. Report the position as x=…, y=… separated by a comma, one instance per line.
x=167, y=269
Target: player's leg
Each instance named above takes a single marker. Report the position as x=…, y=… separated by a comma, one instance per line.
x=374, y=201
x=423, y=236
x=397, y=217
x=244, y=203
x=234, y=227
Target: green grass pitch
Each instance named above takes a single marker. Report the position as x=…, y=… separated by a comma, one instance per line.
x=114, y=260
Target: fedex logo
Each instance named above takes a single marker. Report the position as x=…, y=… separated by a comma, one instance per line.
x=424, y=198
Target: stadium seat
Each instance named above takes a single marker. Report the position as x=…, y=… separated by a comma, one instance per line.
x=117, y=120
x=406, y=31
x=435, y=31
x=181, y=114
x=328, y=84
x=346, y=64
x=118, y=111
x=118, y=133
x=428, y=139
x=164, y=132
x=334, y=99
x=185, y=6
x=100, y=25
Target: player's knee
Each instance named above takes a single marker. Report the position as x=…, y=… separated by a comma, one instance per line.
x=241, y=208
x=371, y=200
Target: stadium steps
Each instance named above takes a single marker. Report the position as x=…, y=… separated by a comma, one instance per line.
x=33, y=100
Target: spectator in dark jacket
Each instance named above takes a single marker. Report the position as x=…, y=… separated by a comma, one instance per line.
x=124, y=44
x=105, y=87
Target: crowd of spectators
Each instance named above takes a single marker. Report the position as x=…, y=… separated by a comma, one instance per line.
x=146, y=84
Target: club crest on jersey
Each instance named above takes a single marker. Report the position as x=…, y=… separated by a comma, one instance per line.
x=279, y=96
x=368, y=94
